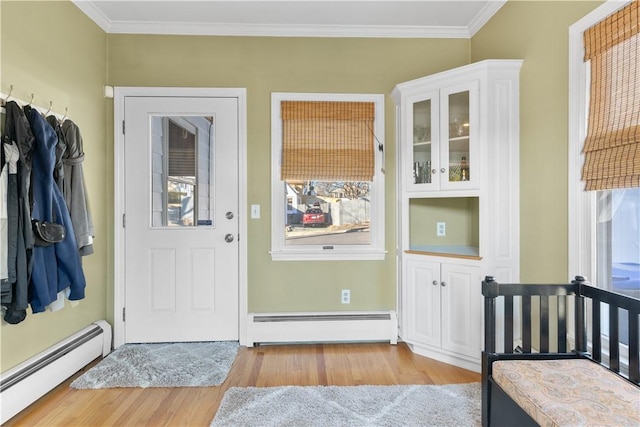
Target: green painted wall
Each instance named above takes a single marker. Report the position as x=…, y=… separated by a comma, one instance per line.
x=538, y=32
x=51, y=49
x=268, y=64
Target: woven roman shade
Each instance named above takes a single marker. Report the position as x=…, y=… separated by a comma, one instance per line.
x=612, y=145
x=327, y=141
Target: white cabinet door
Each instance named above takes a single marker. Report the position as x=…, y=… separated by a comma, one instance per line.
x=461, y=309
x=443, y=305
x=440, y=130
x=422, y=301
x=422, y=136
x=459, y=141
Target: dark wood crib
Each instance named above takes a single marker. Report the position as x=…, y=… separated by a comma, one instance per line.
x=532, y=321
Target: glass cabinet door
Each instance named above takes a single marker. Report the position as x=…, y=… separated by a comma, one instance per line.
x=459, y=137
x=441, y=138
x=423, y=142
x=457, y=167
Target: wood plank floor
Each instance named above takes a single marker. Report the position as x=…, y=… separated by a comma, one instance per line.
x=264, y=366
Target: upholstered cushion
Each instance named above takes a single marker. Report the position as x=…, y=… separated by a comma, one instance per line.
x=570, y=392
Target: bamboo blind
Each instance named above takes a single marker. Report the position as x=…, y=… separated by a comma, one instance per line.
x=612, y=145
x=327, y=141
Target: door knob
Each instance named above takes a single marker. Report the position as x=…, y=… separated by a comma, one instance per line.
x=229, y=215
x=228, y=238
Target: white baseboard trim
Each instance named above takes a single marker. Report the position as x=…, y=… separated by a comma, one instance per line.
x=24, y=384
x=454, y=359
x=322, y=327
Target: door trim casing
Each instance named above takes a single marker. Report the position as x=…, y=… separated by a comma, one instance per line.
x=120, y=93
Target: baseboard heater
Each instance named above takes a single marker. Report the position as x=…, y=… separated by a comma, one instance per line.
x=24, y=384
x=322, y=327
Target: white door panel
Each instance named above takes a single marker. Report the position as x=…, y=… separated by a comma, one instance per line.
x=181, y=207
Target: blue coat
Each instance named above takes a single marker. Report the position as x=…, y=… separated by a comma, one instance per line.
x=56, y=267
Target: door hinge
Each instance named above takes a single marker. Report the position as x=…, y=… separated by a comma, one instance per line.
x=123, y=314
x=123, y=127
x=124, y=220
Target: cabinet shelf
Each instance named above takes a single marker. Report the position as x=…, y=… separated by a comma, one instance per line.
x=464, y=252
x=459, y=138
x=456, y=142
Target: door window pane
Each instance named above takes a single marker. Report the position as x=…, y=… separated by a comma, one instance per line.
x=182, y=171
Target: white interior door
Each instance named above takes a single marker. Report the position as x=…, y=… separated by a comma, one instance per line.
x=181, y=219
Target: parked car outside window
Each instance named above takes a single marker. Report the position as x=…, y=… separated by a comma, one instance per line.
x=313, y=217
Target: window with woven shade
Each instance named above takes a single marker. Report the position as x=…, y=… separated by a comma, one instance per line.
x=604, y=154
x=612, y=144
x=327, y=176
x=327, y=141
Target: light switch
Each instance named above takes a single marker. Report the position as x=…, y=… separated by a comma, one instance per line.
x=255, y=211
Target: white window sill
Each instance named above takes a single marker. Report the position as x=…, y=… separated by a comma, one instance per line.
x=328, y=255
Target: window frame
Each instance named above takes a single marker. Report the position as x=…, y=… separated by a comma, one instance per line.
x=582, y=205
x=280, y=251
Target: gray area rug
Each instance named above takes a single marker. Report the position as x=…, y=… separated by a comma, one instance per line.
x=193, y=364
x=402, y=405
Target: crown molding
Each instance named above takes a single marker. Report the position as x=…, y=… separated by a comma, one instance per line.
x=271, y=30
x=484, y=16
x=96, y=15
x=266, y=30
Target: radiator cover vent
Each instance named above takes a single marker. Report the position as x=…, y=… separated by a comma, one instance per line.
x=322, y=327
x=321, y=317
x=24, y=384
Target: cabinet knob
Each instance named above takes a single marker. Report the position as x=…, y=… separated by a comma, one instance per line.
x=443, y=284
x=443, y=170
x=433, y=171
x=435, y=283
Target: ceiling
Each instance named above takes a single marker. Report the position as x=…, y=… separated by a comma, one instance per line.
x=294, y=18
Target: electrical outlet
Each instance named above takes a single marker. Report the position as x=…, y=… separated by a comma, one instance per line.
x=345, y=296
x=441, y=229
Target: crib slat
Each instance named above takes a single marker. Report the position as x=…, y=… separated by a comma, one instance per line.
x=508, y=324
x=562, y=324
x=634, y=353
x=489, y=322
x=596, y=337
x=544, y=324
x=526, y=323
x=614, y=345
